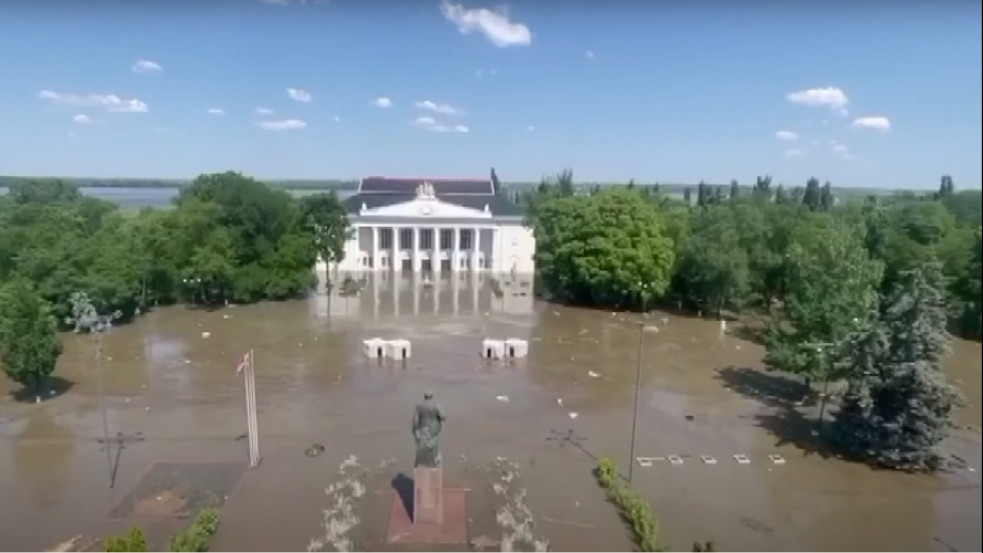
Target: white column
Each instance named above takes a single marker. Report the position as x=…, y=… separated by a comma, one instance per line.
x=395, y=283
x=455, y=246
x=435, y=251
x=394, y=263
x=415, y=252
x=375, y=248
x=475, y=248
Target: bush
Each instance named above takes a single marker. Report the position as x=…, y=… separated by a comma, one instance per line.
x=195, y=539
x=635, y=511
x=135, y=541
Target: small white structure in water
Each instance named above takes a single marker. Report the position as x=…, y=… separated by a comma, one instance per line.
x=516, y=348
x=374, y=348
x=492, y=349
x=398, y=349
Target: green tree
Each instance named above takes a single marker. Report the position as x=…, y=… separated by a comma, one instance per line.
x=608, y=249
x=830, y=284
x=735, y=190
x=899, y=406
x=326, y=219
x=29, y=341
x=813, y=195
x=713, y=270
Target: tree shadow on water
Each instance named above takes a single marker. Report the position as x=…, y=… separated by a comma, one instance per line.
x=403, y=485
x=771, y=389
x=784, y=396
x=53, y=387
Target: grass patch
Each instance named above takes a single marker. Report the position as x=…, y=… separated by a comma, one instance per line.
x=634, y=510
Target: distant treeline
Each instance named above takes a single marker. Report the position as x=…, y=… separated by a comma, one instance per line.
x=352, y=184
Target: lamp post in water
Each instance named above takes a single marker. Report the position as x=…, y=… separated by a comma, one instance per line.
x=638, y=379
x=84, y=317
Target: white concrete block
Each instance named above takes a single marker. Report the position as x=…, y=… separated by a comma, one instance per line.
x=492, y=349
x=374, y=348
x=516, y=348
x=398, y=349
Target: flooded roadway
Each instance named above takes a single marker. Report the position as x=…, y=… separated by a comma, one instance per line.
x=174, y=395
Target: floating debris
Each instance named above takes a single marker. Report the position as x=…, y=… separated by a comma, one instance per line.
x=709, y=460
x=559, y=401
x=572, y=415
x=742, y=459
x=206, y=334
x=503, y=399
x=593, y=374
x=314, y=450
x=674, y=459
x=776, y=459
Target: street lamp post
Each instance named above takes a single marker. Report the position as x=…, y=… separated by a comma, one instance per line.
x=634, y=415
x=85, y=317
x=638, y=382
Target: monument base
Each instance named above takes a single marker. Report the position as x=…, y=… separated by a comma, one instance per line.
x=453, y=529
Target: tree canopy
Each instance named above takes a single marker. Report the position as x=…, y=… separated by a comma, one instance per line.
x=229, y=238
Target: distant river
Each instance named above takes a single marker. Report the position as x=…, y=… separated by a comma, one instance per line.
x=136, y=198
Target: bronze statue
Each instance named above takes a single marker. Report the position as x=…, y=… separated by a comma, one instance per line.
x=428, y=421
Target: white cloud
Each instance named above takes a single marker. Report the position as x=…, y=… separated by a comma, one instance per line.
x=490, y=72
x=437, y=107
x=794, y=152
x=830, y=97
x=432, y=125
x=530, y=128
x=146, y=67
x=877, y=123
x=337, y=118
x=840, y=150
x=493, y=24
x=281, y=124
x=786, y=136
x=83, y=119
x=589, y=54
x=299, y=95
x=263, y=111
x=216, y=111
x=382, y=102
x=108, y=102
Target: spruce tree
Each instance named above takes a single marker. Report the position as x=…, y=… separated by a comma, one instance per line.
x=898, y=409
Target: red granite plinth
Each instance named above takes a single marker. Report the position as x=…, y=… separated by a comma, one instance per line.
x=453, y=529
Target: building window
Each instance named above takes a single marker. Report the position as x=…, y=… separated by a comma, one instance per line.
x=446, y=239
x=385, y=238
x=465, y=239
x=405, y=238
x=426, y=239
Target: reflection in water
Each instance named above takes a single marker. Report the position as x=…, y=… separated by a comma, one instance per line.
x=405, y=294
x=41, y=454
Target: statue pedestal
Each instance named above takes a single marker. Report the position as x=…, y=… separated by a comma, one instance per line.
x=428, y=496
x=434, y=515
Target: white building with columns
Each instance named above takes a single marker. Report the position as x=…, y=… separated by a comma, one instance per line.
x=435, y=226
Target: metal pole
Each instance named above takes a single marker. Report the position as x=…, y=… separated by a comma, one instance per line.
x=102, y=406
x=249, y=418
x=634, y=416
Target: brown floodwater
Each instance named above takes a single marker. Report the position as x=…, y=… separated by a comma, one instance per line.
x=172, y=392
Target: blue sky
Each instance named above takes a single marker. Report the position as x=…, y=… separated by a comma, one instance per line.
x=884, y=94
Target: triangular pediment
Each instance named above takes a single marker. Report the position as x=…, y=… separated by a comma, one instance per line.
x=426, y=208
